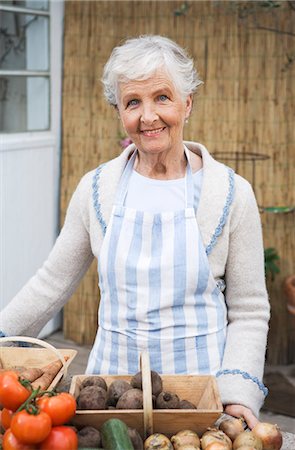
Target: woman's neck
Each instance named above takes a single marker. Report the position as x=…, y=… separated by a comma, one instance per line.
x=165, y=166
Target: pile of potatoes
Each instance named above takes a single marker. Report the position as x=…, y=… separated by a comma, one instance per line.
x=96, y=395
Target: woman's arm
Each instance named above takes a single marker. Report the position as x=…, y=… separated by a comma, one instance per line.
x=240, y=377
x=49, y=289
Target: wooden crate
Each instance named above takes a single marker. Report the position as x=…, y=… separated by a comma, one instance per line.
x=95, y=418
x=199, y=389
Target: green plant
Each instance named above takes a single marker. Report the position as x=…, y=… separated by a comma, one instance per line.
x=270, y=258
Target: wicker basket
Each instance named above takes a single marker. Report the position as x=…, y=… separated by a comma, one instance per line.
x=34, y=357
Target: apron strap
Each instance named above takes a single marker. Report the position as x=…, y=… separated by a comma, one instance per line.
x=189, y=182
x=124, y=180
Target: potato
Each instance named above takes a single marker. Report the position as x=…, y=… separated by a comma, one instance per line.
x=185, y=404
x=116, y=389
x=89, y=437
x=132, y=399
x=167, y=400
x=156, y=381
x=94, y=381
x=92, y=397
x=135, y=437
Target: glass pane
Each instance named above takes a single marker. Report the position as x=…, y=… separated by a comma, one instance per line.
x=24, y=104
x=23, y=41
x=33, y=4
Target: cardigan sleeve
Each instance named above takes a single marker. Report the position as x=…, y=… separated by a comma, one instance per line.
x=240, y=377
x=53, y=284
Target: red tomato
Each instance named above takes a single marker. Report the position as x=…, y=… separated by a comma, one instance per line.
x=61, y=407
x=10, y=442
x=6, y=416
x=31, y=428
x=12, y=392
x=60, y=438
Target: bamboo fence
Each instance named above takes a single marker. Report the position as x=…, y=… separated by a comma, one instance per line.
x=244, y=53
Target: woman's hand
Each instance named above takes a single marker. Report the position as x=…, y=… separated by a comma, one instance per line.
x=242, y=411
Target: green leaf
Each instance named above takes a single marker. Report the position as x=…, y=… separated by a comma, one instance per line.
x=270, y=256
x=279, y=209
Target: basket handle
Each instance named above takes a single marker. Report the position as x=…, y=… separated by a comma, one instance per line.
x=147, y=394
x=41, y=343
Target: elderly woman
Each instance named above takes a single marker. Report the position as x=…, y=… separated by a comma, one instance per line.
x=177, y=237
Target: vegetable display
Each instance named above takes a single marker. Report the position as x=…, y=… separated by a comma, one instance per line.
x=120, y=394
x=34, y=418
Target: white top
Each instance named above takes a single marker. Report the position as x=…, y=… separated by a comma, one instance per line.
x=155, y=196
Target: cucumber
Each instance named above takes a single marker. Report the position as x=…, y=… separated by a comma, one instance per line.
x=115, y=436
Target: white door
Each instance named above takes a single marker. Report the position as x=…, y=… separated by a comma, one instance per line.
x=30, y=128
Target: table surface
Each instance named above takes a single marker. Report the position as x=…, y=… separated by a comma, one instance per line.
x=288, y=441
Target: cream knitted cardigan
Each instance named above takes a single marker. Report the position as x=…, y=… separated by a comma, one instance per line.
x=235, y=251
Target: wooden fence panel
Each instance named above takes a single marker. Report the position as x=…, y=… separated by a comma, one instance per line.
x=245, y=55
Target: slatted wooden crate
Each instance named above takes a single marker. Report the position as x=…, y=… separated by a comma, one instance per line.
x=199, y=389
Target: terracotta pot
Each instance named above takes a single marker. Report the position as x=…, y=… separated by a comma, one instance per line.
x=289, y=289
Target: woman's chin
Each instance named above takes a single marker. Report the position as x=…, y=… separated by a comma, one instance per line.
x=156, y=146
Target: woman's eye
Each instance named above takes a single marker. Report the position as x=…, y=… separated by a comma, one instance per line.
x=132, y=102
x=163, y=97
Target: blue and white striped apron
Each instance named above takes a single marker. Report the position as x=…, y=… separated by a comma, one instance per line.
x=157, y=292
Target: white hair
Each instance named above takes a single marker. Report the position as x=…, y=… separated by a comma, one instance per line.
x=139, y=58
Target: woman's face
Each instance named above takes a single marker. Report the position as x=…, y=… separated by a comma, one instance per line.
x=153, y=113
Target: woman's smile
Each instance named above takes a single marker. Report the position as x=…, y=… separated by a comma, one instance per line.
x=153, y=133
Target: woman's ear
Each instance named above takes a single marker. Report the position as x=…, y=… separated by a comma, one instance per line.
x=189, y=105
x=117, y=111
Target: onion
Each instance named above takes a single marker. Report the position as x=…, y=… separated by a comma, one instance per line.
x=247, y=439
x=157, y=441
x=232, y=427
x=217, y=446
x=246, y=447
x=185, y=438
x=214, y=435
x=188, y=447
x=269, y=434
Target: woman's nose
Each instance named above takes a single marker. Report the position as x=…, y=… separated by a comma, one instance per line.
x=148, y=114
